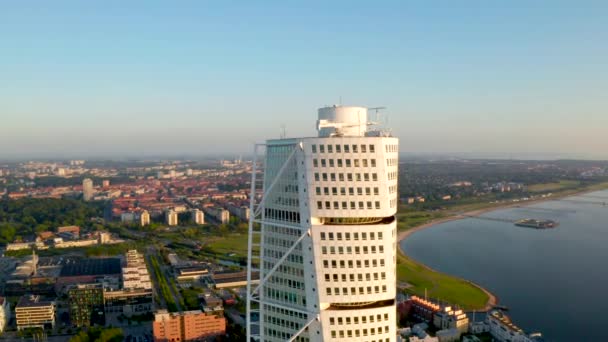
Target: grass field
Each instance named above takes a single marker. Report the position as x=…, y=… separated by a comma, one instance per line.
x=555, y=186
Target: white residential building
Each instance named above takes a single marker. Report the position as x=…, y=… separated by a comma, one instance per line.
x=87, y=189
x=5, y=313
x=327, y=253
x=197, y=216
x=135, y=273
x=171, y=217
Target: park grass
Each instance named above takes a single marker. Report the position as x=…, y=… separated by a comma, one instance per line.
x=231, y=243
x=422, y=280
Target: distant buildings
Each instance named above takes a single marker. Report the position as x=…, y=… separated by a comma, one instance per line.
x=33, y=312
x=5, y=313
x=242, y=212
x=219, y=214
x=87, y=189
x=171, y=217
x=197, y=216
x=188, y=326
x=142, y=217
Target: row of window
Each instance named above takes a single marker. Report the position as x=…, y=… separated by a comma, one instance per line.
x=392, y=148
x=353, y=205
x=349, y=177
x=285, y=296
x=351, y=277
x=353, y=290
x=279, y=242
x=288, y=271
x=330, y=148
x=351, y=191
x=392, y=175
x=338, y=236
x=353, y=263
x=393, y=203
x=391, y=162
x=355, y=320
x=344, y=162
x=292, y=257
x=392, y=189
x=350, y=249
x=286, y=282
x=358, y=333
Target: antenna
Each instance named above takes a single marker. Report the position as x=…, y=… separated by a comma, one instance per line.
x=283, y=131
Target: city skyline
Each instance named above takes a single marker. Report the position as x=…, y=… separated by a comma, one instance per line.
x=503, y=80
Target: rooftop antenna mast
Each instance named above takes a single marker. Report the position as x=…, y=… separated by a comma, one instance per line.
x=283, y=131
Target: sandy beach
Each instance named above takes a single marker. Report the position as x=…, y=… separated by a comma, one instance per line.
x=492, y=298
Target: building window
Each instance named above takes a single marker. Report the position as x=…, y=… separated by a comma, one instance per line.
x=377, y=204
x=346, y=149
x=314, y=148
x=323, y=163
x=374, y=177
x=330, y=148
x=376, y=191
x=372, y=148
x=355, y=149
x=315, y=162
x=322, y=148
x=319, y=205
x=322, y=236
x=331, y=163
x=363, y=148
x=373, y=162
x=338, y=148
x=339, y=162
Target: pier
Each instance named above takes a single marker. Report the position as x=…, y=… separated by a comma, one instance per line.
x=486, y=218
x=553, y=210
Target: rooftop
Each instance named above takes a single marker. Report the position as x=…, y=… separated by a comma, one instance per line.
x=91, y=267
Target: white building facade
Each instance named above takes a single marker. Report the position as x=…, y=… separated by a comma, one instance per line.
x=327, y=234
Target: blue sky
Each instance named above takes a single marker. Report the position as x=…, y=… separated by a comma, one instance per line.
x=141, y=78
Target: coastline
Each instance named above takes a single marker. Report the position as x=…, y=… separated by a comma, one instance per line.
x=492, y=298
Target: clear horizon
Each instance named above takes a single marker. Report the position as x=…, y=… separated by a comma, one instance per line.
x=89, y=80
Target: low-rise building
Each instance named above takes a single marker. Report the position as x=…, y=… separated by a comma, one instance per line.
x=33, y=312
x=188, y=326
x=503, y=330
x=129, y=302
x=447, y=318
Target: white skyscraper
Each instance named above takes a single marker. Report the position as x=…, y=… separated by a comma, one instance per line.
x=87, y=189
x=323, y=235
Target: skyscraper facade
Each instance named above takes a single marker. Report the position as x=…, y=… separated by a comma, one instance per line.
x=323, y=234
x=87, y=189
